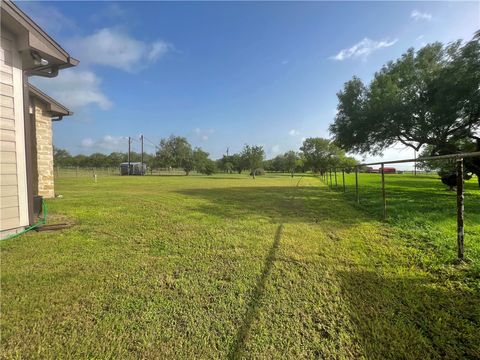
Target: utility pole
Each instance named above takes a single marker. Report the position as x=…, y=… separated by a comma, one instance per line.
x=141, y=140
x=129, y=142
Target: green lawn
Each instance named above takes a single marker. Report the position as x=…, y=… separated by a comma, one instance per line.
x=230, y=267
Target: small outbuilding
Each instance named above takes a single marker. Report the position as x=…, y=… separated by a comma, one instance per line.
x=133, y=168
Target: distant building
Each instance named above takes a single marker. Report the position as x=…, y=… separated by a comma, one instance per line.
x=136, y=168
x=386, y=170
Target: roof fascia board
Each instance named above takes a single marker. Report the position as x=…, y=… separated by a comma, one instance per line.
x=53, y=106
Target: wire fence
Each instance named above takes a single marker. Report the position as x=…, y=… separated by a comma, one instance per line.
x=79, y=172
x=335, y=178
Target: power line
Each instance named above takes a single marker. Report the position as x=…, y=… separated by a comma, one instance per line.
x=151, y=142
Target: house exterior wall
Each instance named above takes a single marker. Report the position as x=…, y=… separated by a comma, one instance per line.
x=13, y=175
x=43, y=183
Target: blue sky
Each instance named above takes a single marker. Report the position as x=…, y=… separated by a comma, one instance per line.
x=224, y=74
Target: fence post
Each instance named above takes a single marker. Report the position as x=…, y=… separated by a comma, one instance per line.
x=356, y=185
x=460, y=209
x=343, y=178
x=383, y=193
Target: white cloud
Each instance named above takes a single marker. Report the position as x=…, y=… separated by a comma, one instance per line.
x=107, y=143
x=87, y=142
x=275, y=149
x=293, y=132
x=363, y=49
x=285, y=62
x=48, y=17
x=112, y=11
x=75, y=89
x=418, y=15
x=203, y=135
x=114, y=47
x=157, y=50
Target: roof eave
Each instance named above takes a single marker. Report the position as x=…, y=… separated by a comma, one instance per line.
x=33, y=38
x=53, y=106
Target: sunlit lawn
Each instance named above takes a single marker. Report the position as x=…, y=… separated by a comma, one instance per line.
x=230, y=267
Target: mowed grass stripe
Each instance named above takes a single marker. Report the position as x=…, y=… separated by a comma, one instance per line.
x=169, y=267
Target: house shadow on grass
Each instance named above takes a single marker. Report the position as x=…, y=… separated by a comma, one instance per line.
x=238, y=346
x=412, y=318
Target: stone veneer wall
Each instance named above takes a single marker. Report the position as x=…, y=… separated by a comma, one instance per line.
x=42, y=151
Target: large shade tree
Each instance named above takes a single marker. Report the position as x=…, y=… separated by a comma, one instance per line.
x=253, y=158
x=425, y=99
x=176, y=151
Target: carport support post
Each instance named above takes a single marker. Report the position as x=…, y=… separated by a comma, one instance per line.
x=383, y=193
x=460, y=209
x=356, y=185
x=343, y=178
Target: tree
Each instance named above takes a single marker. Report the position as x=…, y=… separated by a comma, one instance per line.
x=225, y=164
x=347, y=163
x=268, y=165
x=447, y=167
x=116, y=158
x=429, y=97
x=278, y=163
x=238, y=163
x=200, y=160
x=176, y=151
x=97, y=160
x=61, y=157
x=209, y=167
x=320, y=154
x=253, y=158
x=81, y=160
x=290, y=160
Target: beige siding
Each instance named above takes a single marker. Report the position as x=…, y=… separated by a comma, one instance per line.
x=13, y=198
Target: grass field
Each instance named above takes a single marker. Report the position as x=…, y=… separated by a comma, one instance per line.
x=230, y=267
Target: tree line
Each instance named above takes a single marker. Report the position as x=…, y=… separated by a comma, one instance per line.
x=316, y=154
